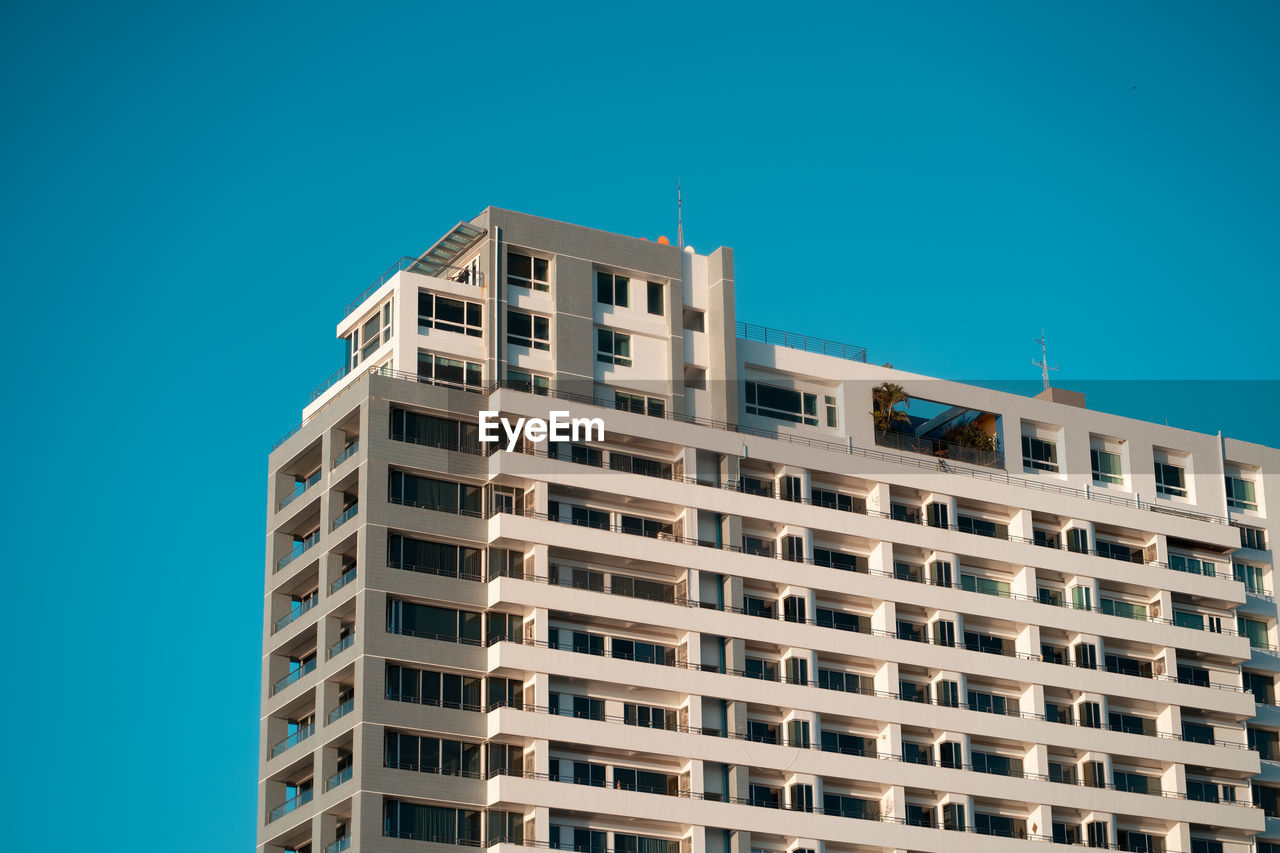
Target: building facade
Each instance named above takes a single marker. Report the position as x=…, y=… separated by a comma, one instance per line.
x=762, y=615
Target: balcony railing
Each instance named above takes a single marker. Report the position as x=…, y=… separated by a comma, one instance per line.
x=294, y=676
x=347, y=513
x=794, y=340
x=294, y=739
x=303, y=606
x=346, y=577
x=342, y=710
x=347, y=452
x=299, y=548
x=338, y=846
x=300, y=799
x=940, y=449
x=409, y=263
x=337, y=779
x=844, y=448
x=342, y=645
x=299, y=489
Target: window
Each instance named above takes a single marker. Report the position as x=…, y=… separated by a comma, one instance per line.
x=1078, y=540
x=845, y=744
x=431, y=755
x=625, y=401
x=836, y=560
x=1256, y=632
x=1106, y=467
x=436, y=623
x=365, y=340
x=953, y=817
x=531, y=382
x=448, y=314
x=1261, y=686
x=785, y=404
x=613, y=289
x=1251, y=577
x=1171, y=480
x=1253, y=537
x=439, y=370
x=434, y=558
x=647, y=717
x=838, y=500
x=425, y=687
x=1241, y=494
x=430, y=823
x=657, y=299
x=613, y=347
x=429, y=430
x=526, y=271
x=528, y=330
x=439, y=495
x=1038, y=454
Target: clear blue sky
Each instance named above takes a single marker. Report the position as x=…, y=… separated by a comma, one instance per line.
x=191, y=195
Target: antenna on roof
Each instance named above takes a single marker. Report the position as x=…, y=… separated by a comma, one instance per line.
x=1043, y=363
x=679, y=217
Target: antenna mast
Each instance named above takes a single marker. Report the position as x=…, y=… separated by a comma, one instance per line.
x=679, y=217
x=1043, y=363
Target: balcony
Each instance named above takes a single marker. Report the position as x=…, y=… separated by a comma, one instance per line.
x=300, y=488
x=300, y=608
x=302, y=670
x=347, y=513
x=794, y=340
x=338, y=846
x=342, y=645
x=294, y=739
x=300, y=547
x=943, y=451
x=348, y=575
x=347, y=452
x=341, y=711
x=337, y=779
x=295, y=802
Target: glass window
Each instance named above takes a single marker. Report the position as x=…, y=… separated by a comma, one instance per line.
x=1171, y=480
x=613, y=289
x=448, y=314
x=1106, y=467
x=532, y=382
x=613, y=347
x=657, y=299
x=1038, y=454
x=1241, y=494
x=439, y=370
x=529, y=330
x=526, y=271
x=785, y=404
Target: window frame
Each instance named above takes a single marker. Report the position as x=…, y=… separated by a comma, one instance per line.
x=531, y=281
x=532, y=340
x=617, y=340
x=609, y=286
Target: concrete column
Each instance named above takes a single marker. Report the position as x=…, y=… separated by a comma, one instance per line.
x=1020, y=526
x=878, y=498
x=881, y=559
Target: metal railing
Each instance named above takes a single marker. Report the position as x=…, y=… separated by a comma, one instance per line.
x=294, y=676
x=330, y=382
x=298, y=492
x=795, y=340
x=294, y=739
x=846, y=448
x=301, y=547
x=337, y=779
x=338, y=846
x=347, y=452
x=408, y=262
x=346, y=515
x=341, y=711
x=300, y=799
x=939, y=449
x=303, y=606
x=345, y=578
x=342, y=645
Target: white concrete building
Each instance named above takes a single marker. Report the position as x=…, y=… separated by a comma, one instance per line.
x=756, y=617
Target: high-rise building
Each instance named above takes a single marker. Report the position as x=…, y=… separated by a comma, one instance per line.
x=791, y=601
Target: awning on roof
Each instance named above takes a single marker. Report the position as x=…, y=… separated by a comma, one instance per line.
x=448, y=249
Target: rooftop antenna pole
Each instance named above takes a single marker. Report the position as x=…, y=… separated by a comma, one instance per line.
x=679, y=217
x=1043, y=363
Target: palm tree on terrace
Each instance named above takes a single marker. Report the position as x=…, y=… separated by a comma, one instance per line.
x=885, y=397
